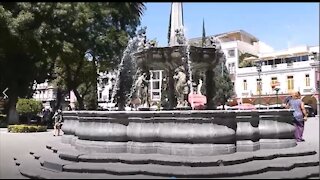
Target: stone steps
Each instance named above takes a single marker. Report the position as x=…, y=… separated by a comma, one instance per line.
x=175, y=160
x=64, y=161
x=296, y=173
x=33, y=168
x=36, y=171
x=202, y=161
x=250, y=168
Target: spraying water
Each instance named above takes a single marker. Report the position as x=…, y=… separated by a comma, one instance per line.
x=133, y=46
x=133, y=87
x=120, y=67
x=189, y=67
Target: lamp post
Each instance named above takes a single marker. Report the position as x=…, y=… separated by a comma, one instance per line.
x=316, y=58
x=258, y=66
x=277, y=88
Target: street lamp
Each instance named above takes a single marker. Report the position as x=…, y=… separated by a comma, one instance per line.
x=316, y=58
x=258, y=66
x=277, y=88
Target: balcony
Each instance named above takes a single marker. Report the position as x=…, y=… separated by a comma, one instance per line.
x=278, y=67
x=307, y=90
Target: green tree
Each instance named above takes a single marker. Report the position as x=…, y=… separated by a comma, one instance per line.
x=23, y=59
x=36, y=36
x=99, y=29
x=28, y=107
x=223, y=84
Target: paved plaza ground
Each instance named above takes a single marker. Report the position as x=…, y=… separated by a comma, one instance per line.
x=18, y=145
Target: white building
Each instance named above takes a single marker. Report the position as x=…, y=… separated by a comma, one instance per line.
x=234, y=44
x=47, y=94
x=291, y=69
x=106, y=85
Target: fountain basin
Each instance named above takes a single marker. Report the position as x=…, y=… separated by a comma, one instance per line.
x=171, y=57
x=187, y=133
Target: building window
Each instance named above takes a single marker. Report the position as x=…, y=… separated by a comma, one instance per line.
x=304, y=58
x=290, y=83
x=231, y=53
x=233, y=65
x=155, y=85
x=259, y=86
x=245, y=86
x=155, y=75
x=307, y=79
x=231, y=68
x=274, y=80
x=100, y=95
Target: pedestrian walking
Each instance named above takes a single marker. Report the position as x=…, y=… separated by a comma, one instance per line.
x=299, y=115
x=58, y=120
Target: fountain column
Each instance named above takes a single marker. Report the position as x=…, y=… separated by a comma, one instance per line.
x=209, y=87
x=176, y=22
x=171, y=90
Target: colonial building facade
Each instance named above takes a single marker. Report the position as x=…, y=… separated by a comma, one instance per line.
x=280, y=72
x=293, y=69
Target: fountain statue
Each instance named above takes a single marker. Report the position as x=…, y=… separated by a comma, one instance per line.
x=141, y=89
x=180, y=36
x=180, y=62
x=181, y=86
x=199, y=87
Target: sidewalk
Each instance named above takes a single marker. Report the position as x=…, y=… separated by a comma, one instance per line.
x=19, y=145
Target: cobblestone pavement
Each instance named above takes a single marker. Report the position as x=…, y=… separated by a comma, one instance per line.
x=17, y=145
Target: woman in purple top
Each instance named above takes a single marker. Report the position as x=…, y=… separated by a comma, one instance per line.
x=299, y=115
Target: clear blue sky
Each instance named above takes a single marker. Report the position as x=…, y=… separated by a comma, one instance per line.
x=276, y=24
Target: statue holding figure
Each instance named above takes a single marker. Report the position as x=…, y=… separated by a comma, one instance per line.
x=181, y=86
x=213, y=42
x=142, y=37
x=150, y=44
x=199, y=87
x=141, y=89
x=180, y=36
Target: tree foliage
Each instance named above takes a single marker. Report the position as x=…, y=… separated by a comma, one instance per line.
x=99, y=29
x=28, y=106
x=23, y=58
x=223, y=84
x=39, y=37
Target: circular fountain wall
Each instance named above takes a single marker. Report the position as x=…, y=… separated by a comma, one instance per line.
x=187, y=133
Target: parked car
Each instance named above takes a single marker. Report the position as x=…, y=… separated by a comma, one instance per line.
x=310, y=111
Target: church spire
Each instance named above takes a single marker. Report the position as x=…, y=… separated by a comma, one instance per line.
x=169, y=29
x=203, y=34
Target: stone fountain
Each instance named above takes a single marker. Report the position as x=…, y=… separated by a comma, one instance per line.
x=179, y=131
x=174, y=143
